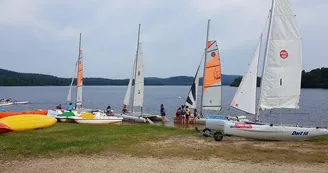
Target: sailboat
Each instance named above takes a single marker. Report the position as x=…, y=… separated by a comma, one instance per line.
x=211, y=94
x=280, y=84
x=138, y=90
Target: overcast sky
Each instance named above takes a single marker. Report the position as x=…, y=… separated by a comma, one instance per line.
x=41, y=36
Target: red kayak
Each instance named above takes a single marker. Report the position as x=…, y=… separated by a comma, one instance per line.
x=7, y=114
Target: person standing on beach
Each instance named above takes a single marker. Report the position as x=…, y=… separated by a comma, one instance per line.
x=70, y=107
x=187, y=115
x=162, y=110
x=183, y=114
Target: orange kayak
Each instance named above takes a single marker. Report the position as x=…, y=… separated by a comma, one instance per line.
x=7, y=114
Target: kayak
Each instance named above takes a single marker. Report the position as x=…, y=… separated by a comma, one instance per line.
x=18, y=123
x=7, y=114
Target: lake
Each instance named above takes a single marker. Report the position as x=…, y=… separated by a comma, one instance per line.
x=313, y=104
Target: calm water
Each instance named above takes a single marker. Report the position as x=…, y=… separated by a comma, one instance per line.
x=313, y=103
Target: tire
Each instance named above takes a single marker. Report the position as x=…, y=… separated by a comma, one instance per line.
x=218, y=136
x=207, y=132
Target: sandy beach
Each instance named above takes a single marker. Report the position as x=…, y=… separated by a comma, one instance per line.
x=130, y=164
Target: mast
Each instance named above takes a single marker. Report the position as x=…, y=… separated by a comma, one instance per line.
x=78, y=67
x=266, y=54
x=205, y=59
x=135, y=68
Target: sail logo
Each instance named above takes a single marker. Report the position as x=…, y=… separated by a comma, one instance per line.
x=283, y=54
x=213, y=54
x=216, y=74
x=243, y=126
x=138, y=73
x=302, y=133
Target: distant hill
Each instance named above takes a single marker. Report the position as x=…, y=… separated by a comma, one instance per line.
x=317, y=78
x=11, y=78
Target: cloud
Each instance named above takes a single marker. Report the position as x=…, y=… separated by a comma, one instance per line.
x=43, y=35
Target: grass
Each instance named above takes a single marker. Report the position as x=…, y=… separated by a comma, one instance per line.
x=155, y=141
x=67, y=139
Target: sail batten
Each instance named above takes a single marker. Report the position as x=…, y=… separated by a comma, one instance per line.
x=281, y=79
x=212, y=79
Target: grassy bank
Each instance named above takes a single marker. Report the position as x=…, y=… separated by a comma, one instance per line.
x=155, y=141
x=67, y=139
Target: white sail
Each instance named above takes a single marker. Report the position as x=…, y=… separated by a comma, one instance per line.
x=138, y=97
x=69, y=95
x=281, y=79
x=191, y=101
x=128, y=91
x=245, y=97
x=212, y=79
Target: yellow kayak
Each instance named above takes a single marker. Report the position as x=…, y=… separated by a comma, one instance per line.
x=19, y=123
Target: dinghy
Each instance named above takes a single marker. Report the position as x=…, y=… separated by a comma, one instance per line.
x=280, y=84
x=6, y=103
x=138, y=90
x=96, y=118
x=211, y=94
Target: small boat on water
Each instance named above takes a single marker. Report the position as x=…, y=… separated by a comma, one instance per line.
x=5, y=103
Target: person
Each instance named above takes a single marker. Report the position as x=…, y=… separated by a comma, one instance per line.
x=58, y=106
x=162, y=110
x=124, y=110
x=108, y=110
x=178, y=114
x=8, y=100
x=187, y=114
x=70, y=107
x=183, y=114
x=195, y=115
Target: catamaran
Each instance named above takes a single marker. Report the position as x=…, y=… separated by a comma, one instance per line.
x=280, y=81
x=138, y=90
x=211, y=95
x=101, y=116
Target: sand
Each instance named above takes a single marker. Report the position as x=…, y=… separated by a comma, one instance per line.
x=129, y=164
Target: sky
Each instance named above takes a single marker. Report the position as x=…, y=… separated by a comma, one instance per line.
x=39, y=36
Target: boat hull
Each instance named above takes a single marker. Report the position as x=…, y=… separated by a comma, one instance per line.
x=136, y=119
x=152, y=117
x=28, y=122
x=271, y=132
x=108, y=120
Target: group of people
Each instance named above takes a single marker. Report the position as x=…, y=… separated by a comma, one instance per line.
x=183, y=114
x=70, y=107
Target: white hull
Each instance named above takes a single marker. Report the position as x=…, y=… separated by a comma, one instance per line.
x=152, y=117
x=5, y=104
x=104, y=120
x=132, y=118
x=274, y=133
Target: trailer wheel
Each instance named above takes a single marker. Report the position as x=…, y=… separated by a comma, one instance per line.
x=207, y=132
x=218, y=136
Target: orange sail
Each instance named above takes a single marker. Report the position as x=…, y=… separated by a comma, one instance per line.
x=79, y=81
x=212, y=78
